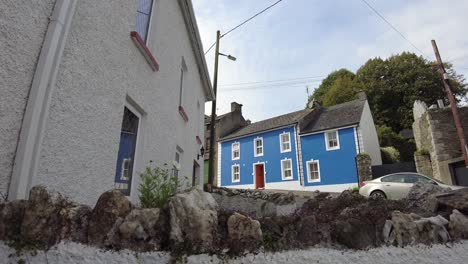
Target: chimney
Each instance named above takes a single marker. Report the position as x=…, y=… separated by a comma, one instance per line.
x=235, y=107
x=248, y=121
x=361, y=95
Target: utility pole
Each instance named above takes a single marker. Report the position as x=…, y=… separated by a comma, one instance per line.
x=211, y=168
x=453, y=103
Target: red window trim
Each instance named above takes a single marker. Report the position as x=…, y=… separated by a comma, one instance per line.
x=199, y=140
x=183, y=113
x=140, y=43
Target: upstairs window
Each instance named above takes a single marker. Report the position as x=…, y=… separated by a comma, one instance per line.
x=286, y=169
x=332, y=141
x=235, y=173
x=313, y=171
x=235, y=151
x=285, y=142
x=258, y=147
x=143, y=16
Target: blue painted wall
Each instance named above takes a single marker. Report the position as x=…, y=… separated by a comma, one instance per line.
x=336, y=166
x=272, y=157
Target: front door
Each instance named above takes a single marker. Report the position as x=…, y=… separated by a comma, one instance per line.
x=126, y=155
x=259, y=177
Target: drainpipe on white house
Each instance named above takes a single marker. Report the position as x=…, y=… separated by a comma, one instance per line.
x=37, y=108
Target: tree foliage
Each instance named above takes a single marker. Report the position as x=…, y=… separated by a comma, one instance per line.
x=392, y=85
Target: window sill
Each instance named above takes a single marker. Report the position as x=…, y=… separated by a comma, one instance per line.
x=183, y=114
x=140, y=43
x=287, y=179
x=331, y=149
x=285, y=151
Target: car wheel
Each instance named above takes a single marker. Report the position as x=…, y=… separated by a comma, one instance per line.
x=378, y=194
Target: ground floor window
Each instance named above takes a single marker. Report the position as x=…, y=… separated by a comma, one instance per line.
x=235, y=173
x=313, y=171
x=286, y=169
x=126, y=154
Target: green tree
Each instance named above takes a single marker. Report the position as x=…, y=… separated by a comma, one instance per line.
x=392, y=85
x=343, y=89
x=327, y=83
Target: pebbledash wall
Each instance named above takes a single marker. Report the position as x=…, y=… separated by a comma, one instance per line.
x=271, y=158
x=21, y=40
x=100, y=73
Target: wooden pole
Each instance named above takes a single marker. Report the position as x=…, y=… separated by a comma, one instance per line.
x=453, y=103
x=211, y=168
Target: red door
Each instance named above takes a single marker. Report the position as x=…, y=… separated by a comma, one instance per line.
x=259, y=177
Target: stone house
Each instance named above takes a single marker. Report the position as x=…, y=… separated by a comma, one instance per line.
x=225, y=124
x=94, y=90
x=434, y=130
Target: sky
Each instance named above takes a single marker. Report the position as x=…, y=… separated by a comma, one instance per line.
x=308, y=39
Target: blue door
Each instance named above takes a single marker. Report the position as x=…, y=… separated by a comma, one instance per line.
x=126, y=155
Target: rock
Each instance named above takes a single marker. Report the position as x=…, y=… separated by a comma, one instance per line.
x=307, y=231
x=411, y=229
x=141, y=230
x=75, y=221
x=422, y=197
x=193, y=221
x=458, y=225
x=243, y=228
x=457, y=199
x=11, y=216
x=110, y=206
x=42, y=220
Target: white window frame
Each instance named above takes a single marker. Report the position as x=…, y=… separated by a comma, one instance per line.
x=309, y=179
x=283, y=177
x=255, y=147
x=327, y=146
x=233, y=173
x=281, y=142
x=233, y=151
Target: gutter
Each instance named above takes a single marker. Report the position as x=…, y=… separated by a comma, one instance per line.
x=37, y=107
x=192, y=28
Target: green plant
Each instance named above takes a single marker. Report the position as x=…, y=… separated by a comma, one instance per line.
x=156, y=187
x=364, y=155
x=354, y=189
x=390, y=155
x=421, y=152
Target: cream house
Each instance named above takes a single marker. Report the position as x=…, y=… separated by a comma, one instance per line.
x=94, y=90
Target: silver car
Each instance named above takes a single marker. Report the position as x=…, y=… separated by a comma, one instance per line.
x=397, y=185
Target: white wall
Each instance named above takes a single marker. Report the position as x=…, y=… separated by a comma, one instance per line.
x=100, y=71
x=369, y=136
x=23, y=24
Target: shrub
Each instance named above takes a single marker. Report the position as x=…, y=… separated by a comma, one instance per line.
x=365, y=155
x=390, y=155
x=421, y=152
x=156, y=187
x=354, y=189
x=389, y=138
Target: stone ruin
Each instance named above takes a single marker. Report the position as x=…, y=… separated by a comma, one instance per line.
x=198, y=222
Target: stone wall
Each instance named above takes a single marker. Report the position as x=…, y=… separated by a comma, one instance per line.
x=435, y=131
x=364, y=167
x=423, y=164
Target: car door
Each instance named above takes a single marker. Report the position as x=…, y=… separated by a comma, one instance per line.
x=393, y=185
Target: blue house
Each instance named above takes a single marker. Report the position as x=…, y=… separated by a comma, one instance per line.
x=311, y=149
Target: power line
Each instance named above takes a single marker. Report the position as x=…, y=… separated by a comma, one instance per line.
x=245, y=21
x=273, y=81
x=393, y=27
x=290, y=84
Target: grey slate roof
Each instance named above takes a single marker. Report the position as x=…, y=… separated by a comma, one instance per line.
x=336, y=116
x=340, y=115
x=264, y=125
